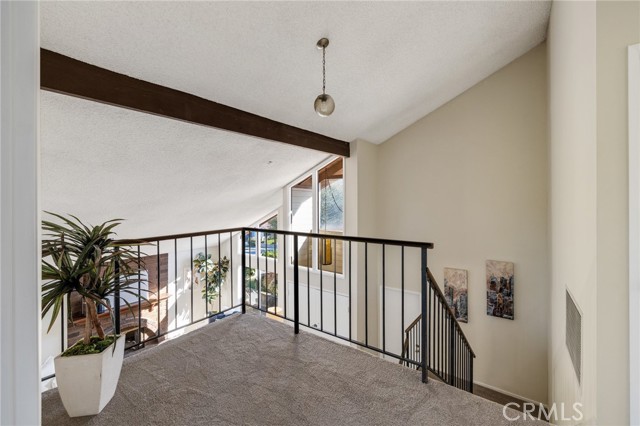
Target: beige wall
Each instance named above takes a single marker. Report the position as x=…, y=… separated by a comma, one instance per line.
x=572, y=153
x=472, y=178
x=589, y=200
x=618, y=26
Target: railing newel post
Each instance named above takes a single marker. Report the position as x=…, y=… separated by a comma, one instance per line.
x=296, y=285
x=424, y=348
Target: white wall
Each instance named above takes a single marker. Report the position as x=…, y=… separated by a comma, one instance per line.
x=471, y=177
x=19, y=215
x=572, y=153
x=617, y=27
x=361, y=182
x=589, y=201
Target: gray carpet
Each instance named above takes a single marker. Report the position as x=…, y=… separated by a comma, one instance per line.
x=251, y=370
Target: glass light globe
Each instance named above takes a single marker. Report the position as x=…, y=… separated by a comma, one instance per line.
x=324, y=105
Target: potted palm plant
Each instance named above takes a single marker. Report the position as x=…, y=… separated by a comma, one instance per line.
x=87, y=260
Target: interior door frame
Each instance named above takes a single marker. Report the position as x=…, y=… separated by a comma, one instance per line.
x=634, y=232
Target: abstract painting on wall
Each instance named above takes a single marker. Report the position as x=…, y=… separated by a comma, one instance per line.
x=500, y=289
x=455, y=291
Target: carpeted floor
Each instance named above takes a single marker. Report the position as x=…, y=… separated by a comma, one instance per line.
x=250, y=370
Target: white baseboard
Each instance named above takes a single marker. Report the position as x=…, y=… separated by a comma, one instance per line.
x=515, y=395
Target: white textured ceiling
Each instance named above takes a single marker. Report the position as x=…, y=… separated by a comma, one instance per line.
x=388, y=64
x=164, y=176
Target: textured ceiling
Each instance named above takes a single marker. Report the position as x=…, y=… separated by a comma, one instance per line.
x=389, y=63
x=164, y=176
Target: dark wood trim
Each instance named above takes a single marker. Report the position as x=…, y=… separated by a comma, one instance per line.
x=504, y=399
x=62, y=74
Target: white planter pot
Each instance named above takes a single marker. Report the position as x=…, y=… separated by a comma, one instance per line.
x=86, y=383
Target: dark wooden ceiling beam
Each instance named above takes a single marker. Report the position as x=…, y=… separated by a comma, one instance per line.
x=62, y=74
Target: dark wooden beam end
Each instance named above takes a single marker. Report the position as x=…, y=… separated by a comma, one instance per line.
x=62, y=74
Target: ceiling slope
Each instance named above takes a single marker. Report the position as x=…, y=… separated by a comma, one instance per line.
x=163, y=176
x=388, y=64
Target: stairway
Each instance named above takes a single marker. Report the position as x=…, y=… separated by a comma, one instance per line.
x=448, y=354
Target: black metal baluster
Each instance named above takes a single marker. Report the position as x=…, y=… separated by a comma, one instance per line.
x=233, y=302
x=366, y=296
x=219, y=283
x=335, y=281
x=285, y=264
x=192, y=274
x=296, y=289
x=158, y=289
x=259, y=282
x=443, y=308
x=446, y=347
x=139, y=334
x=466, y=367
x=206, y=277
x=255, y=271
x=116, y=296
x=433, y=328
x=402, y=298
x=414, y=346
x=470, y=368
x=320, y=269
x=459, y=359
x=439, y=330
x=350, y=307
x=266, y=265
x=266, y=270
x=309, y=263
x=461, y=363
x=243, y=274
x=446, y=330
x=432, y=346
x=421, y=346
x=175, y=282
x=384, y=299
x=275, y=275
x=452, y=352
x=63, y=318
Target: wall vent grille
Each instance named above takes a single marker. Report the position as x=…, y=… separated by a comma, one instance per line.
x=574, y=335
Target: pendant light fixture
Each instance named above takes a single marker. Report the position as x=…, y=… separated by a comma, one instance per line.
x=324, y=104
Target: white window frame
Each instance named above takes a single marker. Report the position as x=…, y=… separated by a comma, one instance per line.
x=313, y=172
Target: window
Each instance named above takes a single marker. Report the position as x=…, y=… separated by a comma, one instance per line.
x=302, y=217
x=262, y=285
x=317, y=205
x=331, y=214
x=268, y=242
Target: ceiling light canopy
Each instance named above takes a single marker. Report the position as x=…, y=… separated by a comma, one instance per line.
x=324, y=104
